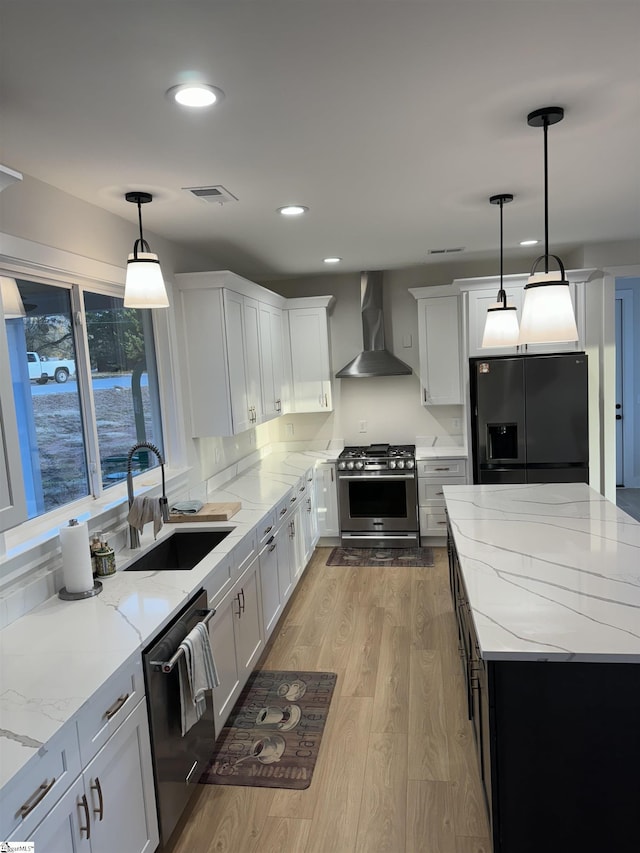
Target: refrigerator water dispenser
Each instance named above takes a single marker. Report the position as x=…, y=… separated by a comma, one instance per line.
x=502, y=441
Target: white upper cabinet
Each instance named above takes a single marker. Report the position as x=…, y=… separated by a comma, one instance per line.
x=440, y=351
x=271, y=359
x=252, y=361
x=309, y=353
x=480, y=294
x=250, y=353
x=13, y=508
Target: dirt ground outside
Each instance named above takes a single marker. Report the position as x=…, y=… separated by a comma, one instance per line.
x=61, y=451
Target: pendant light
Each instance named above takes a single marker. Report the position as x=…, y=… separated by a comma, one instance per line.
x=12, y=304
x=547, y=314
x=144, y=286
x=501, y=327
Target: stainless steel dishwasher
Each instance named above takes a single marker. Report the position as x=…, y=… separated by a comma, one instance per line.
x=177, y=761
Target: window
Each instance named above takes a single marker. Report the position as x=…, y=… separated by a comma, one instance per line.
x=84, y=391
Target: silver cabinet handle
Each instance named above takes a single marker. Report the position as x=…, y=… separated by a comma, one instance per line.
x=113, y=710
x=242, y=604
x=278, y=405
x=38, y=795
x=326, y=403
x=85, y=806
x=267, y=530
x=442, y=469
x=100, y=810
x=293, y=499
x=424, y=395
x=272, y=547
x=283, y=510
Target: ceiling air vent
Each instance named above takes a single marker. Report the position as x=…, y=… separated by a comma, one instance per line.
x=217, y=195
x=445, y=251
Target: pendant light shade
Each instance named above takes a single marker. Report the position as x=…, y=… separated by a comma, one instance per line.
x=144, y=286
x=547, y=313
x=12, y=304
x=501, y=327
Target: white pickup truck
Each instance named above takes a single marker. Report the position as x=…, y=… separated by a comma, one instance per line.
x=42, y=368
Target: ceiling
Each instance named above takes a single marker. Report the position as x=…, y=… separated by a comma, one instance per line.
x=392, y=121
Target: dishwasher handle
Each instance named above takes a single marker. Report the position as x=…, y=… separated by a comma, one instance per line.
x=167, y=666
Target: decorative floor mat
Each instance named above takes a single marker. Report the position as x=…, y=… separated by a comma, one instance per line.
x=381, y=557
x=272, y=737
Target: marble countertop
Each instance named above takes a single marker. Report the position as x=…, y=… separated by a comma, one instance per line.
x=441, y=452
x=54, y=658
x=552, y=572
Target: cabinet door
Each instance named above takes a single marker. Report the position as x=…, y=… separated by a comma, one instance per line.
x=311, y=371
x=284, y=538
x=309, y=519
x=271, y=359
x=439, y=351
x=297, y=550
x=222, y=637
x=119, y=787
x=61, y=828
x=270, y=586
x=252, y=360
x=327, y=499
x=13, y=508
x=481, y=300
x=234, y=327
x=248, y=623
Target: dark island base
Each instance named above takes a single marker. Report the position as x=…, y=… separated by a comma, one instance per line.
x=565, y=756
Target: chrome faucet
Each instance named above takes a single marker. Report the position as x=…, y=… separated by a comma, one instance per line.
x=134, y=536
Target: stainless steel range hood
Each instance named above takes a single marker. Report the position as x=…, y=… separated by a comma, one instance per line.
x=374, y=360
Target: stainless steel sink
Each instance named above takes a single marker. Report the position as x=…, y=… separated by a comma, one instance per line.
x=180, y=551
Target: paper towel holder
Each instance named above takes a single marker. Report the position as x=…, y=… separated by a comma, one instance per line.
x=96, y=589
x=75, y=596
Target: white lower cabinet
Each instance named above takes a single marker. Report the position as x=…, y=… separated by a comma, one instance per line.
x=236, y=636
x=309, y=518
x=433, y=474
x=111, y=805
x=326, y=493
x=270, y=586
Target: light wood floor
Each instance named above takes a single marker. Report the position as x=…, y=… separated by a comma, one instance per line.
x=397, y=771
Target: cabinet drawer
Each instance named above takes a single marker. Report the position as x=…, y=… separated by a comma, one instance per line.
x=220, y=580
x=286, y=505
x=442, y=468
x=430, y=491
x=40, y=783
x=433, y=521
x=265, y=529
x=99, y=718
x=244, y=552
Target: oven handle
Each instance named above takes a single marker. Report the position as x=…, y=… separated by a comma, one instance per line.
x=376, y=476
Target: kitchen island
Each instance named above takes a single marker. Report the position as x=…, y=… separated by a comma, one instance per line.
x=546, y=587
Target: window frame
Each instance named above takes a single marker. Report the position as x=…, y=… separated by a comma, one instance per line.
x=25, y=259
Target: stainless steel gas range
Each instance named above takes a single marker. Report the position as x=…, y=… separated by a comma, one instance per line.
x=378, y=496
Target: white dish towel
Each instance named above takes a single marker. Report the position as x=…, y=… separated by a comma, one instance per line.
x=196, y=674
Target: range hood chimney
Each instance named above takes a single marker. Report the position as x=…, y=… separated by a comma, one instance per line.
x=374, y=360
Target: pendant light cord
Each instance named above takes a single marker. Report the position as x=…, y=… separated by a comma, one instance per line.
x=501, y=295
x=140, y=221
x=546, y=198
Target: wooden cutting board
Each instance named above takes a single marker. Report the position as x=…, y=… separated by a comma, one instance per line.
x=209, y=512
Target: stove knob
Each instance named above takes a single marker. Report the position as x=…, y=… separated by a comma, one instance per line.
x=400, y=463
x=410, y=463
x=359, y=464
x=342, y=465
x=392, y=463
x=350, y=465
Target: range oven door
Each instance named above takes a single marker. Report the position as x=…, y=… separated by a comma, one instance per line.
x=378, y=503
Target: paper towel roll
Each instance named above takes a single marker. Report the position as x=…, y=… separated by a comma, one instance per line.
x=76, y=557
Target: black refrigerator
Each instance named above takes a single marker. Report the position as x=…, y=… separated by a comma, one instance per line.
x=530, y=419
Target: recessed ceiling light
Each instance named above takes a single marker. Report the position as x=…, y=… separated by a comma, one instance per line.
x=529, y=242
x=332, y=260
x=196, y=94
x=293, y=210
